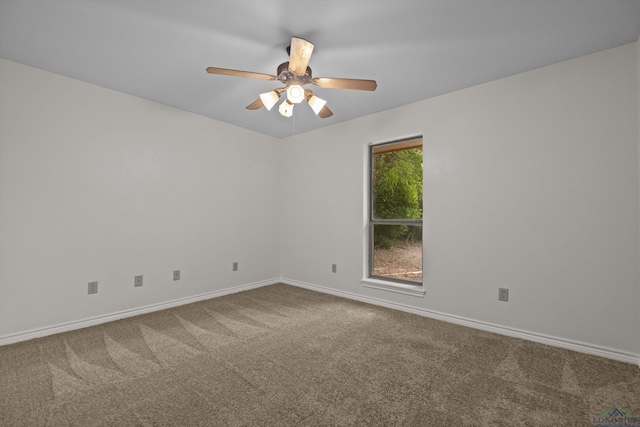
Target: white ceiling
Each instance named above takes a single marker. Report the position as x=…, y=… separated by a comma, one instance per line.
x=159, y=49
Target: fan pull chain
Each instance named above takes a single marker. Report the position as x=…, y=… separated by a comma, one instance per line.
x=293, y=125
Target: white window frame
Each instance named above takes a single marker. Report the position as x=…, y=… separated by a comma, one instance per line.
x=378, y=282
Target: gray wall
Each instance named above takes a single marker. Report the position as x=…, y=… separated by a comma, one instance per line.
x=100, y=186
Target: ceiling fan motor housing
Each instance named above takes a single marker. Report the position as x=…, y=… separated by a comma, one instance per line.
x=288, y=77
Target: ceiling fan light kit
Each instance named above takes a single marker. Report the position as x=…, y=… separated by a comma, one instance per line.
x=294, y=74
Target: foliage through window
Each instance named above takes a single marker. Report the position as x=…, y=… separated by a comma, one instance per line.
x=395, y=212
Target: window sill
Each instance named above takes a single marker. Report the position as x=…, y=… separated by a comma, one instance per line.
x=401, y=288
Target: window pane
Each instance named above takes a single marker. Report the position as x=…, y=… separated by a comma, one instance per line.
x=397, y=252
x=396, y=186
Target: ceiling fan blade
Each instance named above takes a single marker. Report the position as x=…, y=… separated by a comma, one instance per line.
x=335, y=83
x=299, y=55
x=238, y=73
x=325, y=112
x=255, y=105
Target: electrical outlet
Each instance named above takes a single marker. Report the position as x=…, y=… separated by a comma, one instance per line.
x=93, y=287
x=137, y=281
x=176, y=275
x=334, y=268
x=235, y=266
x=503, y=294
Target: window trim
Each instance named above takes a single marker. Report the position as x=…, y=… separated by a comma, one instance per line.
x=382, y=282
x=400, y=288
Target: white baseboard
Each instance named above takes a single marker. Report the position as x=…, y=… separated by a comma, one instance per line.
x=97, y=320
x=484, y=326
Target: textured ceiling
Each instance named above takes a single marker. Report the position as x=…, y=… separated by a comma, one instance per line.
x=159, y=50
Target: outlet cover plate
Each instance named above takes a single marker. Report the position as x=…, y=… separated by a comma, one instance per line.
x=93, y=288
x=334, y=268
x=176, y=275
x=503, y=294
x=137, y=281
x=235, y=266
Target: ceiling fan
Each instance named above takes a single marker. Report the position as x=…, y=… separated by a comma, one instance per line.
x=295, y=74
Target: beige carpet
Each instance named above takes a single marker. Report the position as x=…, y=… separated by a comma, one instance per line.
x=283, y=356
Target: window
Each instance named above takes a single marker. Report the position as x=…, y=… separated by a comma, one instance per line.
x=395, y=213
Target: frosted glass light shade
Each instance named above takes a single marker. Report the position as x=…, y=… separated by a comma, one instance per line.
x=269, y=99
x=286, y=108
x=316, y=104
x=295, y=94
